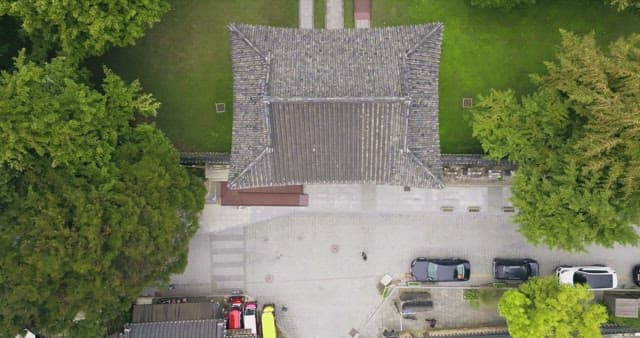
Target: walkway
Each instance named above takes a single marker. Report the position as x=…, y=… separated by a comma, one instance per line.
x=216, y=264
x=365, y=199
x=305, y=12
x=334, y=14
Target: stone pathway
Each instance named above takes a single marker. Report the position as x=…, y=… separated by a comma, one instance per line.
x=334, y=14
x=366, y=199
x=305, y=12
x=228, y=259
x=217, y=263
x=362, y=13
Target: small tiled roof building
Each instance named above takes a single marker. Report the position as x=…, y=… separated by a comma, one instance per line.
x=335, y=106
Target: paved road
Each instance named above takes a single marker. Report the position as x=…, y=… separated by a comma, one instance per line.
x=309, y=259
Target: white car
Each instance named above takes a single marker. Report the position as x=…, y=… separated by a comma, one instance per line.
x=598, y=277
x=249, y=318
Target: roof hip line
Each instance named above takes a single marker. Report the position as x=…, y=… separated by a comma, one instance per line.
x=411, y=50
x=251, y=165
x=235, y=29
x=438, y=182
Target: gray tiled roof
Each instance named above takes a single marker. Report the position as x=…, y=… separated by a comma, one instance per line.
x=179, y=329
x=173, y=312
x=335, y=106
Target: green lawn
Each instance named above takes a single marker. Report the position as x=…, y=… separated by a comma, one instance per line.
x=349, y=22
x=184, y=61
x=318, y=13
x=492, y=48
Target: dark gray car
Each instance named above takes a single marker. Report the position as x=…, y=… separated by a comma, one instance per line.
x=515, y=269
x=440, y=270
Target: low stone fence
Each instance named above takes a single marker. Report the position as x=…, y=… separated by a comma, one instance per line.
x=475, y=169
x=457, y=169
x=202, y=159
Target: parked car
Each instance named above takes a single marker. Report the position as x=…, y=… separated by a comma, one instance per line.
x=440, y=270
x=268, y=321
x=598, y=277
x=234, y=317
x=249, y=317
x=515, y=269
x=636, y=274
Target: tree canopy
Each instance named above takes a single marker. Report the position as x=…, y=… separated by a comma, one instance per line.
x=576, y=141
x=93, y=203
x=10, y=41
x=78, y=29
x=624, y=4
x=542, y=307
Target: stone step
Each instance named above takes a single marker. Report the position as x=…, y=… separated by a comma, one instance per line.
x=229, y=264
x=229, y=285
x=227, y=237
x=228, y=259
x=235, y=270
x=228, y=278
x=227, y=251
x=228, y=244
x=237, y=258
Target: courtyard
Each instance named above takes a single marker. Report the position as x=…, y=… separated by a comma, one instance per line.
x=309, y=259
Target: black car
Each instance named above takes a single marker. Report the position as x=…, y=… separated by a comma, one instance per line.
x=440, y=270
x=515, y=269
x=636, y=274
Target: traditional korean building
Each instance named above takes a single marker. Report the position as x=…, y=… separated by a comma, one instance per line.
x=335, y=106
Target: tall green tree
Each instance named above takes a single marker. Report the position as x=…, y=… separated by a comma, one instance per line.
x=78, y=29
x=624, y=4
x=577, y=143
x=542, y=308
x=93, y=204
x=11, y=41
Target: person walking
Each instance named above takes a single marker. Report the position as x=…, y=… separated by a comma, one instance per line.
x=364, y=256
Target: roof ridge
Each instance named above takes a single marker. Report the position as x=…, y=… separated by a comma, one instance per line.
x=305, y=99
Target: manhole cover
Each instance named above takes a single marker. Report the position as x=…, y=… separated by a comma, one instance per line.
x=467, y=102
x=335, y=248
x=268, y=278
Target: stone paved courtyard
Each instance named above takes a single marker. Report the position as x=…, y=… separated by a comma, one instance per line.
x=287, y=254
